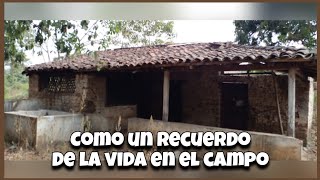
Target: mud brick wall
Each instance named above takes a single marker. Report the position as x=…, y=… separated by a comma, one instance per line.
x=200, y=97
x=96, y=93
x=89, y=97
x=201, y=101
x=263, y=107
x=200, y=93
x=69, y=102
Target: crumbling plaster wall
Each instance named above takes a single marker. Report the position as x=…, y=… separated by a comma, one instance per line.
x=263, y=105
x=89, y=97
x=69, y=102
x=200, y=100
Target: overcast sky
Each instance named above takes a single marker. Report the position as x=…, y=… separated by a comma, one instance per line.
x=204, y=31
x=187, y=31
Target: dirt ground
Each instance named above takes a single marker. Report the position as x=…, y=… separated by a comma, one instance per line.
x=12, y=153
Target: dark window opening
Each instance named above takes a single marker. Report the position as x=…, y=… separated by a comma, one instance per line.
x=145, y=90
x=234, y=106
x=57, y=83
x=121, y=89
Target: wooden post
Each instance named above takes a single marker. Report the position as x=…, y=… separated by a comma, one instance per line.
x=291, y=102
x=166, y=90
x=277, y=100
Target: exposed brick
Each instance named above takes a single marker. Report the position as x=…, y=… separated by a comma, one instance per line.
x=200, y=99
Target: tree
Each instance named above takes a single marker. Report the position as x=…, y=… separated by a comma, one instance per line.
x=76, y=37
x=15, y=84
x=66, y=38
x=17, y=39
x=275, y=33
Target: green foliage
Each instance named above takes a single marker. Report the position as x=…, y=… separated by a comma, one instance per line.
x=76, y=37
x=15, y=84
x=137, y=33
x=63, y=34
x=67, y=38
x=256, y=32
x=17, y=38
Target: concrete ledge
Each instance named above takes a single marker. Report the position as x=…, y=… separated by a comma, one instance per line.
x=277, y=146
x=23, y=104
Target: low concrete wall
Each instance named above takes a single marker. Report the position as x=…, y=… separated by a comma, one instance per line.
x=37, y=113
x=107, y=119
x=41, y=128
x=49, y=129
x=20, y=129
x=277, y=146
x=53, y=132
x=101, y=123
x=56, y=130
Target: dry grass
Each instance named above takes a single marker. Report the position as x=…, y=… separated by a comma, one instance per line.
x=14, y=153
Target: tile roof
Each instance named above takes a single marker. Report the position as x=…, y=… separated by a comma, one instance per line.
x=172, y=55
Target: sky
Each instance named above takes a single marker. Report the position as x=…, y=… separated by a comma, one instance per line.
x=187, y=31
x=204, y=31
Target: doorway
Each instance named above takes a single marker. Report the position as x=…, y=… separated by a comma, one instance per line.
x=149, y=95
x=234, y=105
x=175, y=106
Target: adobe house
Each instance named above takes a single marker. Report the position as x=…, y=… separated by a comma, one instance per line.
x=264, y=89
